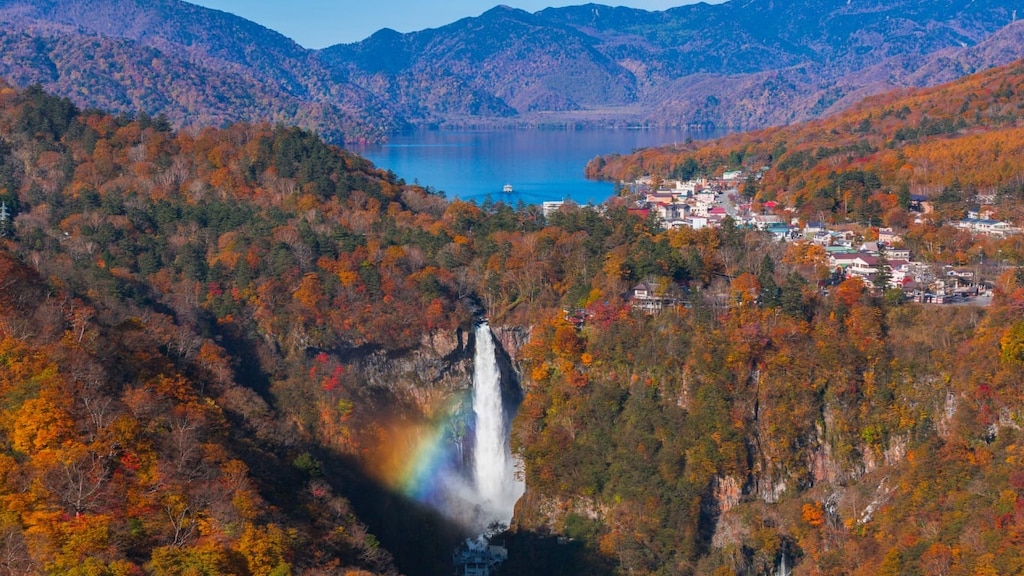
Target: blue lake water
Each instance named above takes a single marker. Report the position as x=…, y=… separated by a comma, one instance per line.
x=540, y=165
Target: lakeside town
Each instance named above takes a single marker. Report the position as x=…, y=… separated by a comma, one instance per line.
x=876, y=255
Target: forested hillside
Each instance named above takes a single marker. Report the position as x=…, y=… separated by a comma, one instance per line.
x=852, y=435
x=170, y=366
x=211, y=341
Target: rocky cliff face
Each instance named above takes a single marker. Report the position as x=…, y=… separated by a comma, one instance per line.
x=512, y=340
x=441, y=365
x=421, y=377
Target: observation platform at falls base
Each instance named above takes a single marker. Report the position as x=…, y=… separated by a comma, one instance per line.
x=478, y=561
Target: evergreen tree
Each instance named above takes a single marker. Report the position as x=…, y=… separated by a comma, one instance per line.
x=770, y=291
x=791, y=296
x=750, y=186
x=903, y=196
x=884, y=274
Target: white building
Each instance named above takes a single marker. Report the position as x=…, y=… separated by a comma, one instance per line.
x=695, y=221
x=986, y=226
x=705, y=198
x=551, y=207
x=763, y=221
x=671, y=212
x=690, y=187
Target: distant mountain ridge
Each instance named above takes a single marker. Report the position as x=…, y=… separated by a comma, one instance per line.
x=199, y=66
x=737, y=64
x=741, y=64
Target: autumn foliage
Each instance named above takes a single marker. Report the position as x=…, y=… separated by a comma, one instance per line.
x=948, y=143
x=204, y=336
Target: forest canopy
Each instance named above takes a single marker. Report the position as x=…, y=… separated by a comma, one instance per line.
x=204, y=336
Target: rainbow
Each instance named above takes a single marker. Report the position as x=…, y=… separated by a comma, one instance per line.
x=424, y=460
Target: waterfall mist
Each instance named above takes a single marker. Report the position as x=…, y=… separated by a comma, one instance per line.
x=461, y=464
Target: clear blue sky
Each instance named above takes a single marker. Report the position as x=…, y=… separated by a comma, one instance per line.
x=321, y=23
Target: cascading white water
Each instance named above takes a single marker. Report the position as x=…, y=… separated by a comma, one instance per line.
x=783, y=568
x=494, y=470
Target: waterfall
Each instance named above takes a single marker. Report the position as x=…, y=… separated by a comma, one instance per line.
x=461, y=464
x=494, y=469
x=783, y=568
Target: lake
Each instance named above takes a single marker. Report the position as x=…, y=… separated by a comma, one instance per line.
x=540, y=164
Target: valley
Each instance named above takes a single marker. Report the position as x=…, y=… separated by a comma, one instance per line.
x=229, y=345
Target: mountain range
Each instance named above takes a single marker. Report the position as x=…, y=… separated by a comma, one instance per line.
x=737, y=65
x=226, y=352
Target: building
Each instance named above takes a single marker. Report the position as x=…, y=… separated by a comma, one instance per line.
x=986, y=226
x=888, y=236
x=921, y=203
x=897, y=253
x=779, y=230
x=763, y=221
x=662, y=197
x=707, y=198
x=641, y=291
x=812, y=229
x=642, y=297
x=822, y=239
x=695, y=221
x=672, y=212
x=690, y=187
x=866, y=265
x=717, y=214
x=641, y=213
x=477, y=561
x=551, y=207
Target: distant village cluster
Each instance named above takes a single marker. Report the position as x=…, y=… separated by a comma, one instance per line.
x=708, y=202
x=705, y=202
